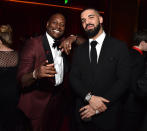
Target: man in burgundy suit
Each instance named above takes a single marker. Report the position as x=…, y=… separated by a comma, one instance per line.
x=41, y=72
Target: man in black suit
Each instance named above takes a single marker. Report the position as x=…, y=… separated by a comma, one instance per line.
x=99, y=76
x=135, y=103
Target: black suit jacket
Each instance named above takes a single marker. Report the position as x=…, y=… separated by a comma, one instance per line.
x=144, y=125
x=134, y=101
x=109, y=78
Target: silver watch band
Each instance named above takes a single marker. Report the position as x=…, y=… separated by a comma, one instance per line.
x=88, y=97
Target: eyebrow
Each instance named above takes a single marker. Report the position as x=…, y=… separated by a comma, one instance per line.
x=90, y=15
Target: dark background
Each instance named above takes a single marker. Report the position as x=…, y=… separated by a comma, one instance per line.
x=121, y=17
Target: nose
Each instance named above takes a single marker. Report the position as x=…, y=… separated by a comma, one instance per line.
x=58, y=26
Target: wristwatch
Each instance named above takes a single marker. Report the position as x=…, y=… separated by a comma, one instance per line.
x=88, y=97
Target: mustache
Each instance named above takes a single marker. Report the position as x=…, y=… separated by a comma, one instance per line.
x=88, y=25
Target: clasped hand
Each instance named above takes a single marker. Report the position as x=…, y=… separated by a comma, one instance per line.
x=95, y=103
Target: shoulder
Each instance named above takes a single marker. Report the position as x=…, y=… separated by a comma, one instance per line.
x=116, y=45
x=115, y=41
x=33, y=42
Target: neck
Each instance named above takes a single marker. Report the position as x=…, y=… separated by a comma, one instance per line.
x=138, y=47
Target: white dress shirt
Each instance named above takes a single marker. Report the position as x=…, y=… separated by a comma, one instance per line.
x=98, y=47
x=58, y=61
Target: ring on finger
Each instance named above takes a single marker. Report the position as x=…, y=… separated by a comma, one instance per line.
x=97, y=112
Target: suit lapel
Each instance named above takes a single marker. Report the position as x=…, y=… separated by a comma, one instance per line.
x=103, y=51
x=86, y=53
x=47, y=49
x=49, y=55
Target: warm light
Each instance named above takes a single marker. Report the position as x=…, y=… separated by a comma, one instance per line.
x=44, y=4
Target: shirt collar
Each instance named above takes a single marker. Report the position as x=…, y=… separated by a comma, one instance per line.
x=50, y=39
x=99, y=39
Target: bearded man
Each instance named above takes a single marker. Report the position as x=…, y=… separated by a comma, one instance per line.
x=99, y=76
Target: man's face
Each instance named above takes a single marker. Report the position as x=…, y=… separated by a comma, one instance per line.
x=56, y=26
x=91, y=22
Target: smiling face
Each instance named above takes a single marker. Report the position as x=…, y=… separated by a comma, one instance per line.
x=56, y=26
x=91, y=22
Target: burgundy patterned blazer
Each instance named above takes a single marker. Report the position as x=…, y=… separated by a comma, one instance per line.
x=34, y=99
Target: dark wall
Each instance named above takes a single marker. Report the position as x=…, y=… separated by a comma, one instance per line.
x=124, y=19
x=30, y=20
x=142, y=20
x=121, y=18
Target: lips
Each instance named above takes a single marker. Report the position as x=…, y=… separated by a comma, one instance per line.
x=89, y=26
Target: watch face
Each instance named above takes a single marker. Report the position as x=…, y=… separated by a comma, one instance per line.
x=88, y=97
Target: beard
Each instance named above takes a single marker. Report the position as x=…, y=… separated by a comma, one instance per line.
x=93, y=32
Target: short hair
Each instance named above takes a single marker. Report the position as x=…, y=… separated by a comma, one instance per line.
x=6, y=35
x=140, y=36
x=91, y=9
x=54, y=14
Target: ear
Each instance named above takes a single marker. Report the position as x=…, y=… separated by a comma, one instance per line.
x=47, y=24
x=101, y=19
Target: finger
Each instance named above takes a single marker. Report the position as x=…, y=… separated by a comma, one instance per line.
x=87, y=115
x=82, y=109
x=104, y=100
x=50, y=65
x=61, y=45
x=84, y=112
x=84, y=116
x=51, y=72
x=70, y=46
x=50, y=68
x=46, y=75
x=67, y=49
x=90, y=114
x=44, y=63
x=102, y=108
x=62, y=50
x=49, y=75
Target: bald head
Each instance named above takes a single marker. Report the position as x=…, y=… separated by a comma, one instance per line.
x=56, y=15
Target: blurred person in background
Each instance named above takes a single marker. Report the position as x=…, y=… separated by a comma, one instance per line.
x=135, y=101
x=8, y=84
